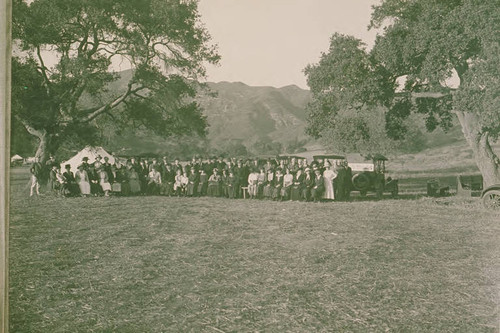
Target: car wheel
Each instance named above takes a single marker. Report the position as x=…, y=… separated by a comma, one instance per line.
x=491, y=199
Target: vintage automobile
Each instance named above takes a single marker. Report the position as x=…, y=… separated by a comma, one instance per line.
x=370, y=177
x=367, y=176
x=491, y=196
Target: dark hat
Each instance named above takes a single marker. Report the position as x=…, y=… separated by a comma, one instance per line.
x=67, y=166
x=85, y=158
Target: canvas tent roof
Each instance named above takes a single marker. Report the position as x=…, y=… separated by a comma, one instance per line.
x=16, y=158
x=91, y=153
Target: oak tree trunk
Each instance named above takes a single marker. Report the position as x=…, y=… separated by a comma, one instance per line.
x=42, y=151
x=478, y=139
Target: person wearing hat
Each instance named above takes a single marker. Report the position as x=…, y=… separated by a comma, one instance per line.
x=132, y=179
x=178, y=183
x=255, y=163
x=268, y=165
x=329, y=175
x=53, y=183
x=70, y=187
x=104, y=180
x=95, y=188
x=153, y=165
x=193, y=180
x=347, y=183
x=176, y=166
x=82, y=180
x=203, y=183
x=85, y=163
x=208, y=167
x=154, y=180
x=97, y=163
x=231, y=183
x=109, y=170
x=163, y=165
x=241, y=172
x=220, y=165
x=229, y=165
x=308, y=183
x=287, y=184
x=319, y=186
x=296, y=189
x=214, y=184
x=168, y=179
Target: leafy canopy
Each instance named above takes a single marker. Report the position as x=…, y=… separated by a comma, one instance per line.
x=424, y=42
x=163, y=41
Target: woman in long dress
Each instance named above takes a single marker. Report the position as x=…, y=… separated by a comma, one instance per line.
x=178, y=183
x=82, y=180
x=252, y=184
x=134, y=180
x=329, y=175
x=268, y=188
x=214, y=184
x=296, y=190
x=104, y=181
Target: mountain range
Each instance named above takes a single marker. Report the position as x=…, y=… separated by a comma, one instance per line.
x=245, y=113
x=236, y=113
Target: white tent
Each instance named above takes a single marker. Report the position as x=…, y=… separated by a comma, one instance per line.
x=16, y=158
x=91, y=153
x=29, y=160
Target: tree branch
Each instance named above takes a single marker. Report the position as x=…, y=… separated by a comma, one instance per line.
x=43, y=68
x=31, y=130
x=105, y=108
x=425, y=94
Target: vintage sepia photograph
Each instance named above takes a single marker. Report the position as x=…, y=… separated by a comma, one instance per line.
x=250, y=166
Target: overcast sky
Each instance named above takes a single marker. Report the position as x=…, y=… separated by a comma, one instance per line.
x=269, y=42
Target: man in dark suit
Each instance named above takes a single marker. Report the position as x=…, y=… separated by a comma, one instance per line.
x=85, y=163
x=220, y=165
x=108, y=169
x=308, y=183
x=319, y=186
x=168, y=177
x=70, y=187
x=176, y=166
x=339, y=183
x=241, y=172
x=347, y=181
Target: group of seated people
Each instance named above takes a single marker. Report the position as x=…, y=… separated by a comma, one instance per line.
x=273, y=179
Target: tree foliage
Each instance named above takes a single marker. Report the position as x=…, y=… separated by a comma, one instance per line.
x=164, y=42
x=425, y=43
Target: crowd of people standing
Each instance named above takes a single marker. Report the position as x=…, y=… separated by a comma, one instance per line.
x=272, y=178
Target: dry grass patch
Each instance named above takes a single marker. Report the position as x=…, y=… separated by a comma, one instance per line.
x=156, y=264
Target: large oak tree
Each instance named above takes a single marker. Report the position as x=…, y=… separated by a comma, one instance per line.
x=62, y=66
x=421, y=43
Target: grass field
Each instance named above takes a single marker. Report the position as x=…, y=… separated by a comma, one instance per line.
x=157, y=264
